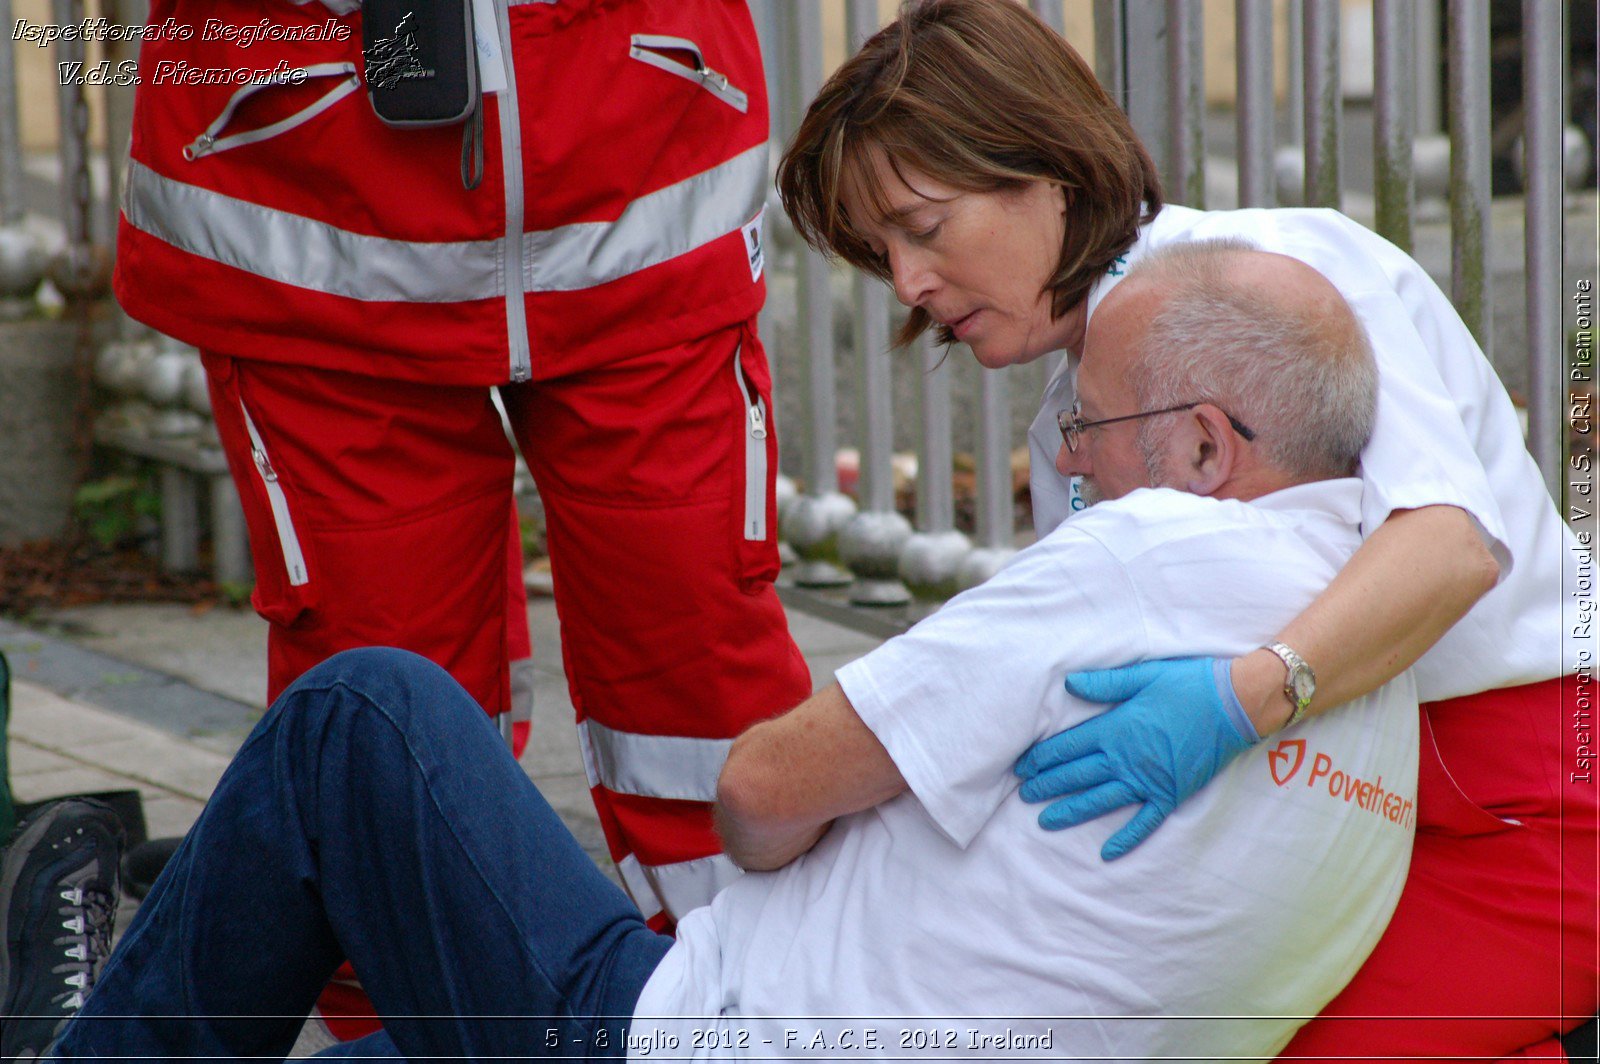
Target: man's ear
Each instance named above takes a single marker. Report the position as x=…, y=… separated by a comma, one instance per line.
x=1206, y=450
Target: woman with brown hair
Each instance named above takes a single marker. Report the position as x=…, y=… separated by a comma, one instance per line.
x=968, y=157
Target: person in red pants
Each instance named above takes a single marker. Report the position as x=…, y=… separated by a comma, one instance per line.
x=357, y=295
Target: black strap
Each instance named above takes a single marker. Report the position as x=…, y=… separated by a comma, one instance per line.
x=472, y=148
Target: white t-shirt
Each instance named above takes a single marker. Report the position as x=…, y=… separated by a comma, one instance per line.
x=1258, y=899
x=1446, y=433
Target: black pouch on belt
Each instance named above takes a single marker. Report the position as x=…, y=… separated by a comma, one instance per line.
x=422, y=69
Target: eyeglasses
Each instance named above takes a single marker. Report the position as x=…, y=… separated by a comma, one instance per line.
x=1073, y=426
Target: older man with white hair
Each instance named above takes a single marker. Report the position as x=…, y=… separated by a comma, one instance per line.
x=1223, y=400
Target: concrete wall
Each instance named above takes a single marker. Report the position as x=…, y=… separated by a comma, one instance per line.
x=37, y=396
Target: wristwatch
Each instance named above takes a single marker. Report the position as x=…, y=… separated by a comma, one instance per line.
x=1301, y=686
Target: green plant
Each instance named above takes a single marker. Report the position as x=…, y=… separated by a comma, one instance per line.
x=531, y=528
x=112, y=509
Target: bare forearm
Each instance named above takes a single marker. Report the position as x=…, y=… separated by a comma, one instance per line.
x=787, y=779
x=763, y=814
x=1415, y=576
x=761, y=847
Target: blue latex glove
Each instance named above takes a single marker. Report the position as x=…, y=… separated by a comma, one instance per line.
x=1179, y=723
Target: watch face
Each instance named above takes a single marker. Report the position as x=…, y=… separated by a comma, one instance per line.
x=1304, y=686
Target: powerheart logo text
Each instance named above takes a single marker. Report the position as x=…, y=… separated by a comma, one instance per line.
x=1285, y=759
x=396, y=58
x=1288, y=753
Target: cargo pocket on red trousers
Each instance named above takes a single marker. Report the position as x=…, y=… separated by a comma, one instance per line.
x=284, y=593
x=756, y=543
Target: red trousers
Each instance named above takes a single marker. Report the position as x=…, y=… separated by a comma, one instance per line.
x=380, y=513
x=1494, y=949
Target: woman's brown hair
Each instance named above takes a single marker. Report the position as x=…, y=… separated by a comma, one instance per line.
x=984, y=97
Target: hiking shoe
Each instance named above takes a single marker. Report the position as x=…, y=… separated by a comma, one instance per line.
x=58, y=903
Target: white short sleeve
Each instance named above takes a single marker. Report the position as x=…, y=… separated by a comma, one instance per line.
x=1421, y=453
x=931, y=695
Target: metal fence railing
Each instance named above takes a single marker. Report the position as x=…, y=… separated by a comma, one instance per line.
x=1150, y=55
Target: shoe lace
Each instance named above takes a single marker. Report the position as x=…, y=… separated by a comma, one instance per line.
x=87, y=917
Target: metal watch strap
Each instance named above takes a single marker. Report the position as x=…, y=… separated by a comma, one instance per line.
x=1296, y=665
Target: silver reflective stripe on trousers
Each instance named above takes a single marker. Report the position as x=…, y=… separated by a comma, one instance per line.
x=676, y=888
x=652, y=766
x=295, y=250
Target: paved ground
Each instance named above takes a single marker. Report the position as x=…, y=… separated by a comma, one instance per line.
x=158, y=697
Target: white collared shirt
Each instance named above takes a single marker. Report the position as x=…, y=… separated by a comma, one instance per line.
x=1446, y=433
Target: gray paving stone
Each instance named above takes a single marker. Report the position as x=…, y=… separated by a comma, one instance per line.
x=95, y=738
x=132, y=690
x=817, y=636
x=545, y=630
x=79, y=779
x=823, y=666
x=64, y=724
x=202, y=646
x=25, y=759
x=553, y=740
x=154, y=758
x=167, y=815
x=184, y=711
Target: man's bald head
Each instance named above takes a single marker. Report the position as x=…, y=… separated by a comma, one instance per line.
x=1260, y=335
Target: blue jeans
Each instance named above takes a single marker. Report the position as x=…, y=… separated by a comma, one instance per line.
x=375, y=814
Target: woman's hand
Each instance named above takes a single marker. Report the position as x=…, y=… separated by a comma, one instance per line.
x=1181, y=720
x=1172, y=732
